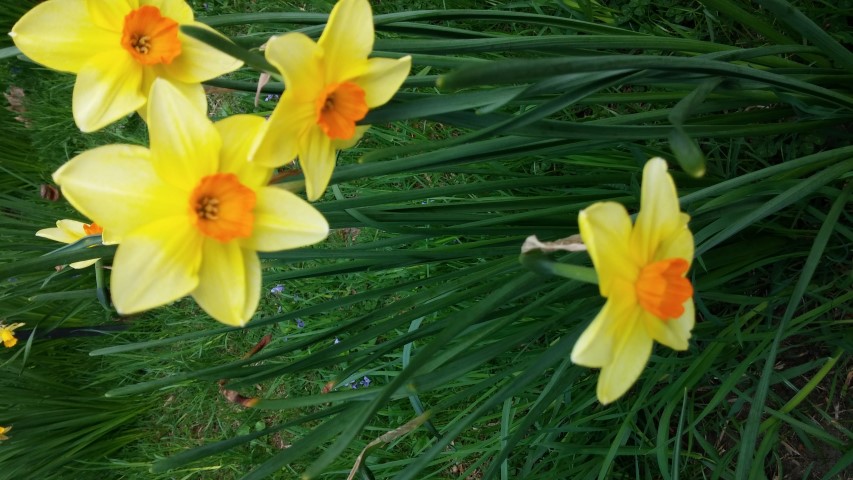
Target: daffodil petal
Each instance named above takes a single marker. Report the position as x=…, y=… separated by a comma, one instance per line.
x=199, y=61
x=674, y=333
x=679, y=244
x=222, y=290
x=383, y=78
x=177, y=10
x=317, y=158
x=278, y=142
x=110, y=15
x=347, y=40
x=360, y=130
x=298, y=59
x=66, y=231
x=284, y=221
x=61, y=35
x=108, y=87
x=157, y=264
x=252, y=268
x=238, y=134
x=83, y=263
x=99, y=185
x=605, y=228
x=660, y=213
x=594, y=348
x=183, y=151
x=631, y=352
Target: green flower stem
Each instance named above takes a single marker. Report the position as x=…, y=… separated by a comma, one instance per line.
x=539, y=263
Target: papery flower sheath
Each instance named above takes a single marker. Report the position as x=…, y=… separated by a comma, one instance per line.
x=117, y=48
x=330, y=85
x=7, y=334
x=191, y=214
x=641, y=271
x=69, y=231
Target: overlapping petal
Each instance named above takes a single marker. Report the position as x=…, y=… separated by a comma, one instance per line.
x=383, y=78
x=284, y=221
x=108, y=88
x=61, y=35
x=97, y=184
x=347, y=40
x=238, y=134
x=317, y=159
x=660, y=214
x=631, y=352
x=178, y=10
x=181, y=152
x=299, y=60
x=222, y=290
x=110, y=15
x=606, y=228
x=66, y=231
x=198, y=61
x=156, y=264
x=278, y=143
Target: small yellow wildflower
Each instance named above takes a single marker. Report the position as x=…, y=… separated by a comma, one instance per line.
x=193, y=214
x=3, y=432
x=69, y=231
x=7, y=334
x=641, y=271
x=117, y=48
x=330, y=85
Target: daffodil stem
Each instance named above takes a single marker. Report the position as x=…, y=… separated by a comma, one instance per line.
x=101, y=290
x=538, y=262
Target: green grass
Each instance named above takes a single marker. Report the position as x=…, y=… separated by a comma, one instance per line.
x=419, y=287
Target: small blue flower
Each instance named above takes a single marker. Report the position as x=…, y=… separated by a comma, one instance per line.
x=277, y=289
x=365, y=382
x=300, y=323
x=337, y=340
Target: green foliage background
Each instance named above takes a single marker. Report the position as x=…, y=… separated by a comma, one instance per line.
x=545, y=108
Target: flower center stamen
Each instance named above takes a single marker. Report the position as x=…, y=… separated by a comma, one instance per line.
x=662, y=289
x=150, y=37
x=222, y=207
x=339, y=107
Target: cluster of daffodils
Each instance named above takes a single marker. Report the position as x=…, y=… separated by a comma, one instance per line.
x=190, y=213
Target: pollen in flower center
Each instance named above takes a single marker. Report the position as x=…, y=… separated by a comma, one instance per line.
x=150, y=37
x=221, y=207
x=662, y=289
x=338, y=108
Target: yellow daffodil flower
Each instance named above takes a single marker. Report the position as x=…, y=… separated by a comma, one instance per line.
x=330, y=85
x=117, y=48
x=641, y=271
x=7, y=334
x=3, y=432
x=69, y=231
x=192, y=214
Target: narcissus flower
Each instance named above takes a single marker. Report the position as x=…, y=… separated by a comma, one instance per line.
x=189, y=214
x=69, y=231
x=7, y=334
x=330, y=85
x=3, y=432
x=641, y=271
x=117, y=48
